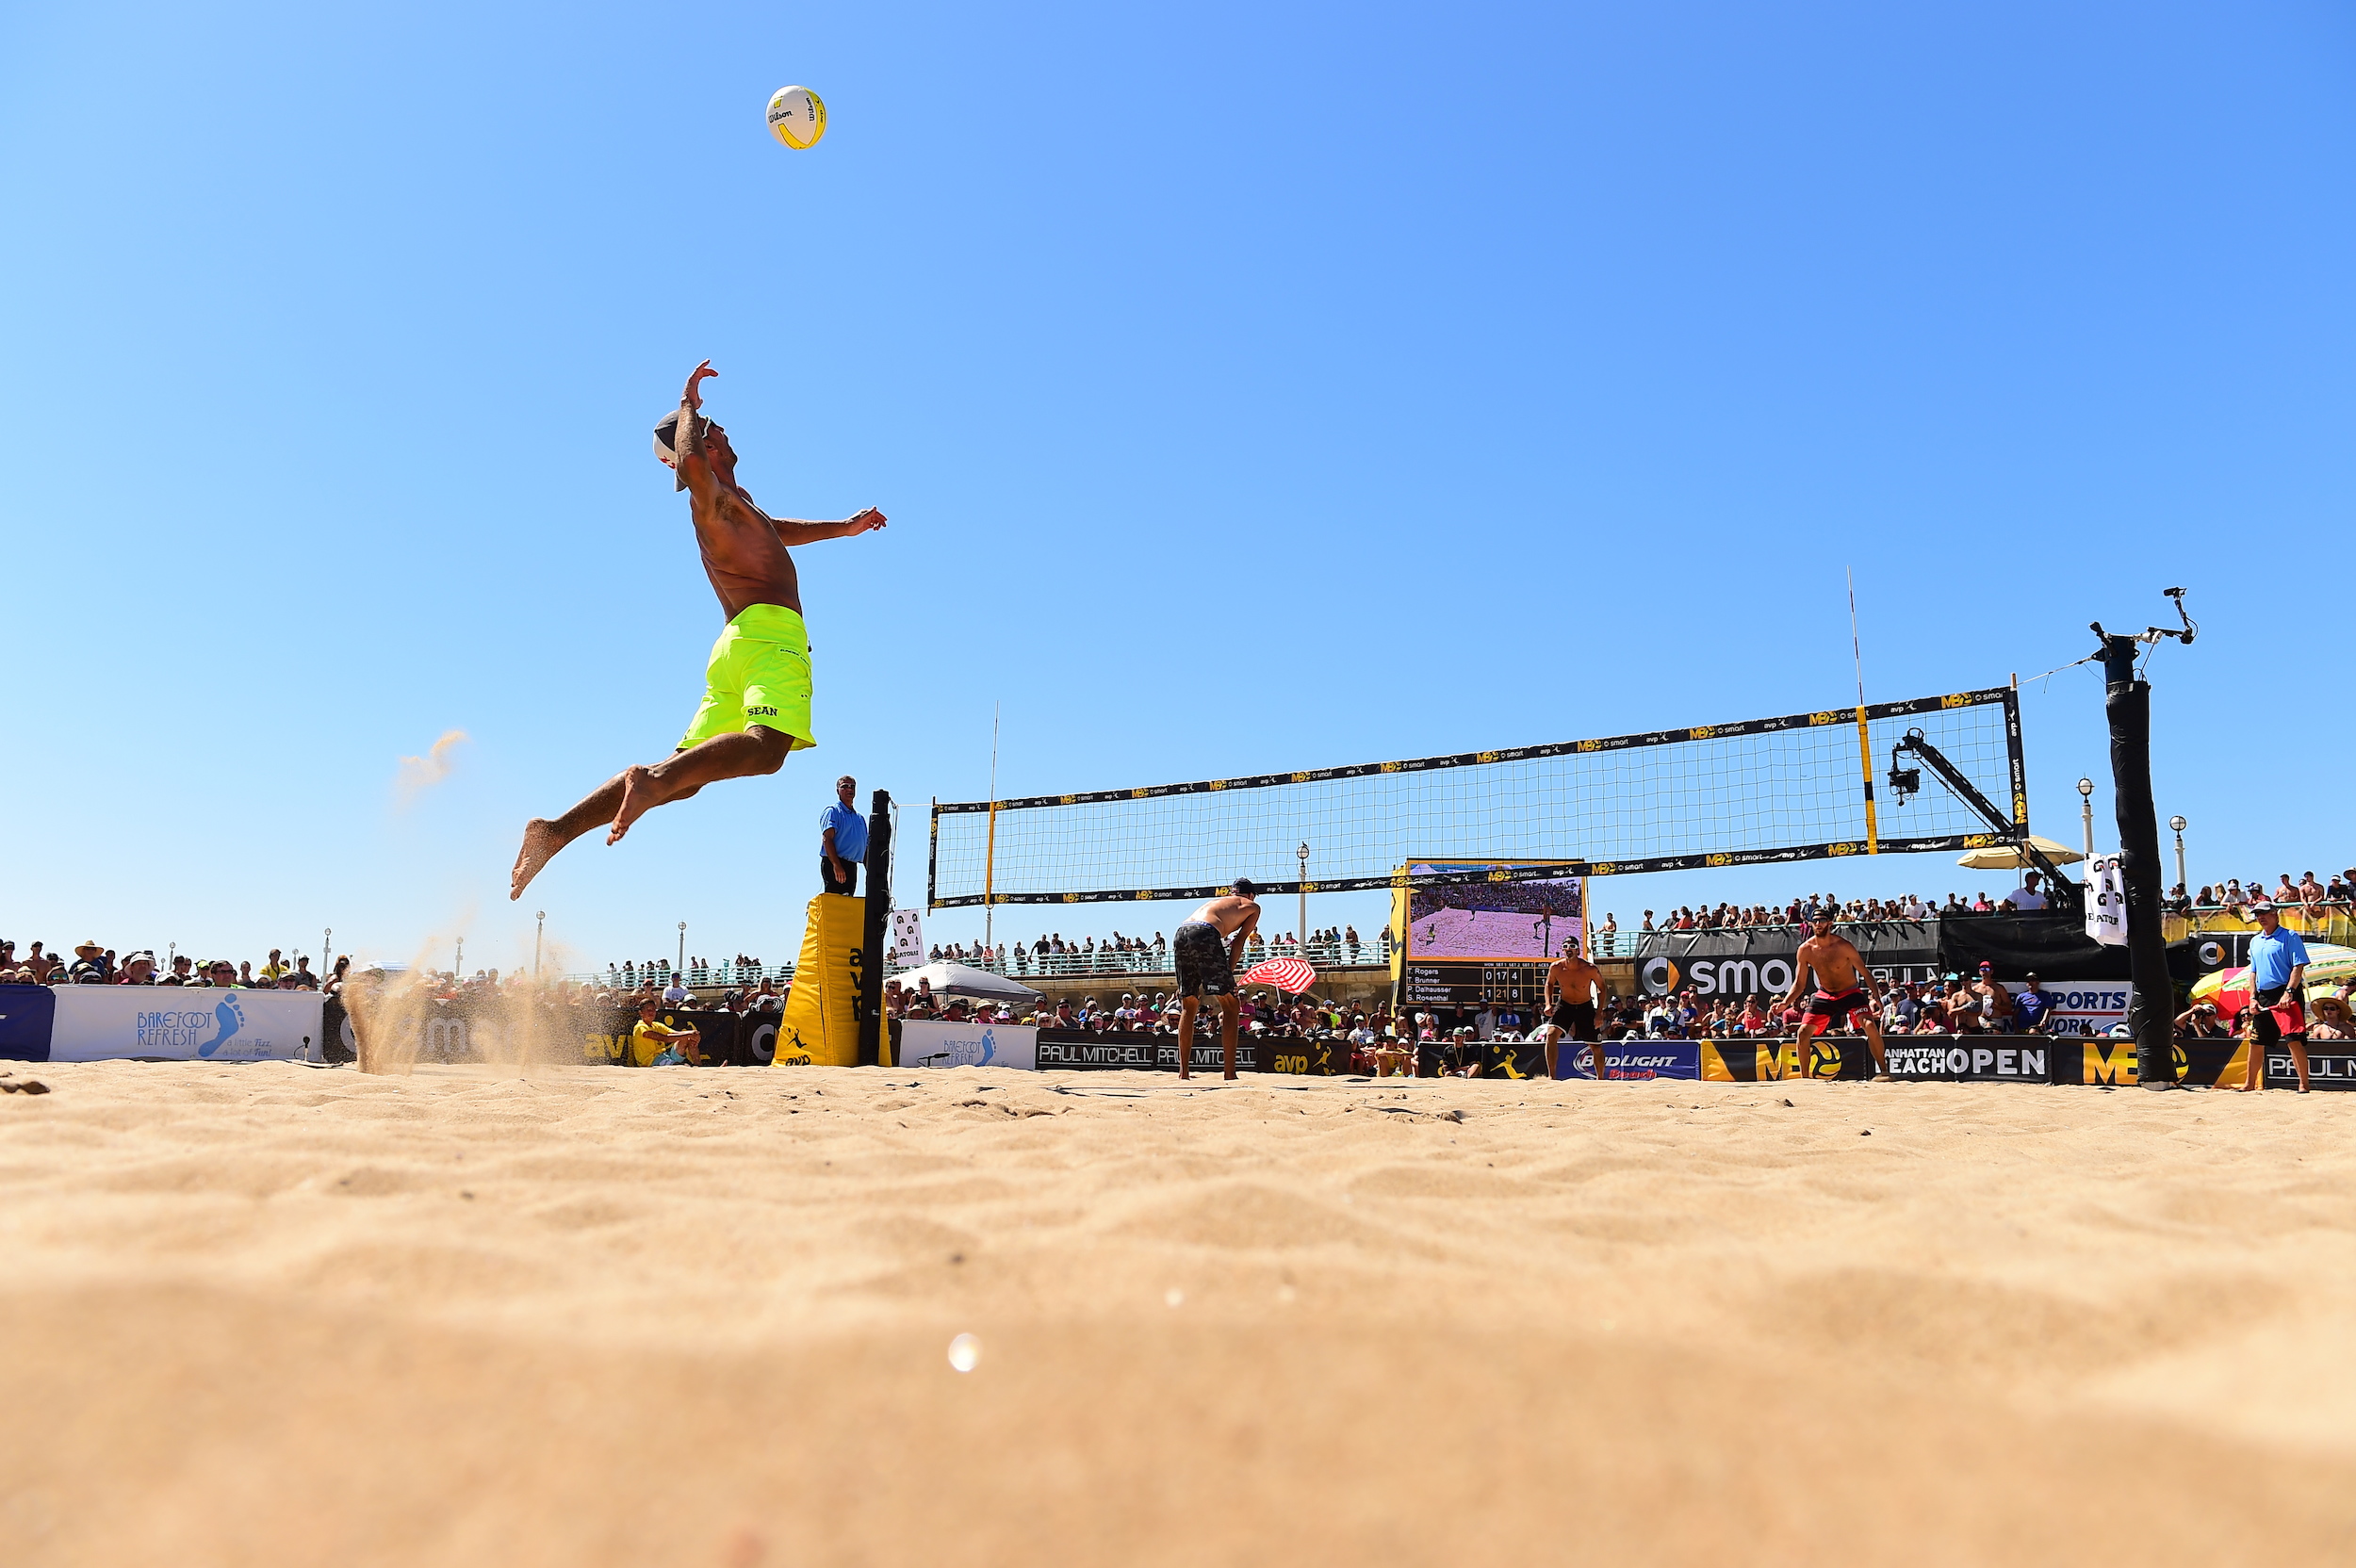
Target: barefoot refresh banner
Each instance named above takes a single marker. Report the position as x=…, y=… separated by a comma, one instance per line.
x=91, y=1023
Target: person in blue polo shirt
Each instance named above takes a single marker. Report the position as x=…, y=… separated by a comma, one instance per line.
x=2277, y=1012
x=842, y=841
x=2031, y=1007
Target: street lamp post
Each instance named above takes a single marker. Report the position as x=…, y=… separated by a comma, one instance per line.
x=459, y=971
x=327, y=947
x=538, y=931
x=682, y=951
x=2085, y=814
x=2179, y=824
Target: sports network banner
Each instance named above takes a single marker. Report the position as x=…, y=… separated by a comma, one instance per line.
x=94, y=1023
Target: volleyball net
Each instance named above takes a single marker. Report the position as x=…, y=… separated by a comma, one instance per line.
x=1759, y=790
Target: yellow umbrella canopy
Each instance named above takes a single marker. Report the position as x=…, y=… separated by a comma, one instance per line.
x=2005, y=858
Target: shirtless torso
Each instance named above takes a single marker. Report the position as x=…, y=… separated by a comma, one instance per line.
x=1231, y=916
x=1573, y=985
x=755, y=707
x=1845, y=990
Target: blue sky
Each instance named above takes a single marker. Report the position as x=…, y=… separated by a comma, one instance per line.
x=1269, y=340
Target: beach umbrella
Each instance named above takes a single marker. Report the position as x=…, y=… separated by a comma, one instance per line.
x=2007, y=857
x=2326, y=962
x=1289, y=975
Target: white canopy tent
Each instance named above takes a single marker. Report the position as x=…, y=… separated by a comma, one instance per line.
x=948, y=979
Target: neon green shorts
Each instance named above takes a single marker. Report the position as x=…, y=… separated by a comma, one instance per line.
x=759, y=675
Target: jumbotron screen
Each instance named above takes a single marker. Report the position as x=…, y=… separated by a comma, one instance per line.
x=1529, y=920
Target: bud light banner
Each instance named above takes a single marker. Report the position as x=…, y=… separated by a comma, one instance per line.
x=103, y=1023
x=1636, y=1057
x=930, y=1042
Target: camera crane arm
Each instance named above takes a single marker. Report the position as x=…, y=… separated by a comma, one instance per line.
x=1907, y=782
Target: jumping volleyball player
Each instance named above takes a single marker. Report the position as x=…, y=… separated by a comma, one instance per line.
x=756, y=705
x=1844, y=987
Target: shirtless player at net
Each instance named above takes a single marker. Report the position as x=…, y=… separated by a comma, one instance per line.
x=1844, y=987
x=757, y=688
x=1204, y=951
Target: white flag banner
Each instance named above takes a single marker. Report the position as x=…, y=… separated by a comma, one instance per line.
x=2107, y=901
x=907, y=937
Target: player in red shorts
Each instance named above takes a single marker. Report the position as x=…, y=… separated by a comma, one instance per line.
x=1844, y=986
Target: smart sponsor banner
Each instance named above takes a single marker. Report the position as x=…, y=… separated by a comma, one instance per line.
x=1758, y=961
x=1759, y=958
x=93, y=1023
x=932, y=1042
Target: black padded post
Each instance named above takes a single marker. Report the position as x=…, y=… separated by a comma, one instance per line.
x=2127, y=703
x=875, y=935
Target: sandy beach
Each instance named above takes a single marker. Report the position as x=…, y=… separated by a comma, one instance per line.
x=268, y=1314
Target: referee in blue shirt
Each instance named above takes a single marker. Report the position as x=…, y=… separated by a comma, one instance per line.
x=842, y=841
x=2278, y=978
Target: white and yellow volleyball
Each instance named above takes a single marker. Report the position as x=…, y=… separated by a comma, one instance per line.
x=797, y=117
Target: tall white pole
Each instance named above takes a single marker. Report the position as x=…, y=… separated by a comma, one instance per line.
x=990, y=875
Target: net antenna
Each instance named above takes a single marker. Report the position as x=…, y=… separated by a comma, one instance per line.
x=1748, y=793
x=1864, y=735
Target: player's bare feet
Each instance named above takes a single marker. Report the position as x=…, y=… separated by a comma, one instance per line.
x=540, y=843
x=637, y=796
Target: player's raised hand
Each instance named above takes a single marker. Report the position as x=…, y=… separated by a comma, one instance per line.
x=694, y=398
x=865, y=522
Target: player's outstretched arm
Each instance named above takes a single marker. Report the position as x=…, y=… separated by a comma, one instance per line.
x=695, y=463
x=798, y=530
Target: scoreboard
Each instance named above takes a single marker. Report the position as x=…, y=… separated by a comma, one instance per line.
x=1469, y=984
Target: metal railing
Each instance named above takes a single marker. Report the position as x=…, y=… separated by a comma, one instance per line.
x=2325, y=923
x=1150, y=960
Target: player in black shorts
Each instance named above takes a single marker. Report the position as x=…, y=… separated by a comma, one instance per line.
x=1204, y=950
x=1572, y=985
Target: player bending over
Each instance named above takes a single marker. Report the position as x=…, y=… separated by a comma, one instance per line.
x=1573, y=986
x=1204, y=951
x=756, y=704
x=1844, y=986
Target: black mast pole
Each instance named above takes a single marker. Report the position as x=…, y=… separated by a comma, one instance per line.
x=2127, y=704
x=874, y=945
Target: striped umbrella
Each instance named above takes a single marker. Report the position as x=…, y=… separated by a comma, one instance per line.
x=1290, y=975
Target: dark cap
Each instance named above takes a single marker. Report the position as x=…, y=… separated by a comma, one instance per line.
x=1246, y=888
